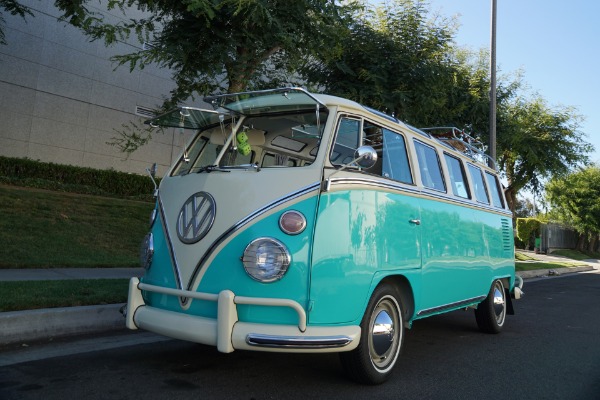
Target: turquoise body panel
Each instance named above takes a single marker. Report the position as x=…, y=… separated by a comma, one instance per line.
x=226, y=271
x=462, y=252
x=363, y=236
x=354, y=239
x=358, y=234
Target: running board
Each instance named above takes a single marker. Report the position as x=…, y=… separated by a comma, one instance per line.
x=451, y=306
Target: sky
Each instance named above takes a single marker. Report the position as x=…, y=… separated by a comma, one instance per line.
x=555, y=42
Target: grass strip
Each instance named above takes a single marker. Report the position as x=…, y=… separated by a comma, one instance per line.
x=40, y=229
x=574, y=254
x=30, y=295
x=530, y=266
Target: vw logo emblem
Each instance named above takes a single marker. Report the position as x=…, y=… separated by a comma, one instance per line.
x=196, y=217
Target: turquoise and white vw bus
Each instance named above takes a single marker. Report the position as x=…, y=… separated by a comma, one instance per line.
x=299, y=222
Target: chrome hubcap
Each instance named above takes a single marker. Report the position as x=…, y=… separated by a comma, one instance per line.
x=385, y=330
x=499, y=303
x=383, y=333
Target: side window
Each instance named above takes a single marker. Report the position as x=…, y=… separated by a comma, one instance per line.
x=457, y=176
x=429, y=165
x=479, y=187
x=346, y=141
x=395, y=160
x=494, y=188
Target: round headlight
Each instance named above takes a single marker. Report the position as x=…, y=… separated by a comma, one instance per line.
x=147, y=251
x=266, y=259
x=292, y=222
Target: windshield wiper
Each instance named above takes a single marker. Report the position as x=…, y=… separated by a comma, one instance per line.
x=211, y=168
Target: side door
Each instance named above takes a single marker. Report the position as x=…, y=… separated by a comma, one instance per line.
x=454, y=254
x=367, y=221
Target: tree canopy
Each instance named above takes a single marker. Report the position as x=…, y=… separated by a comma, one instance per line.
x=575, y=199
x=218, y=46
x=537, y=142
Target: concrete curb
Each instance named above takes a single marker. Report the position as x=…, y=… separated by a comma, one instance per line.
x=553, y=271
x=32, y=325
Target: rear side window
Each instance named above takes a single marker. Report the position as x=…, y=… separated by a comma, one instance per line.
x=478, y=185
x=429, y=165
x=458, y=178
x=395, y=160
x=494, y=188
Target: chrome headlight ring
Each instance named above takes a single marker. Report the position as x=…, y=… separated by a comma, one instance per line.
x=266, y=259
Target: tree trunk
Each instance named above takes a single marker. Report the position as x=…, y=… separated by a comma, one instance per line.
x=592, y=244
x=581, y=243
x=511, y=199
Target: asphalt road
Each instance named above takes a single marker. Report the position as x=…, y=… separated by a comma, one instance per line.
x=549, y=350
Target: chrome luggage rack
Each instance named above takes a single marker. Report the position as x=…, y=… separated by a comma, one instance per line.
x=462, y=141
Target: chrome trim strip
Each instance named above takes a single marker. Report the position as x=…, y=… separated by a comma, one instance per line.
x=165, y=226
x=210, y=99
x=426, y=193
x=298, y=342
x=312, y=187
x=458, y=304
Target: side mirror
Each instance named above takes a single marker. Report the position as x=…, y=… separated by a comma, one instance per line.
x=365, y=157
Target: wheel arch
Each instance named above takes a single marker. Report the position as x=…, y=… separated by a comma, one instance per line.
x=404, y=290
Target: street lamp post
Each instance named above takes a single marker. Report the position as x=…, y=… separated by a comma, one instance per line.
x=492, y=143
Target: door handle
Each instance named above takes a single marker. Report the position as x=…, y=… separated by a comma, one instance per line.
x=415, y=221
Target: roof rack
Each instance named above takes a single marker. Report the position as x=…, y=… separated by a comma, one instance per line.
x=462, y=141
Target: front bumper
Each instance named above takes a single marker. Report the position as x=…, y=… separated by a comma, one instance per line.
x=227, y=333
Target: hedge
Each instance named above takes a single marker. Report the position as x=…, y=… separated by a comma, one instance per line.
x=67, y=178
x=526, y=227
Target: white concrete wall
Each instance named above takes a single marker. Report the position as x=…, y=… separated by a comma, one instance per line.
x=61, y=97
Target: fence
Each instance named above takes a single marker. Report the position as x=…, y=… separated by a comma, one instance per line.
x=556, y=236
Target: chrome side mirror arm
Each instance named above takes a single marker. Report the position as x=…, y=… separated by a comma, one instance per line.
x=365, y=157
x=152, y=172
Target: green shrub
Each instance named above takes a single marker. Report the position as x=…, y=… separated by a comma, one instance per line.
x=67, y=178
x=528, y=228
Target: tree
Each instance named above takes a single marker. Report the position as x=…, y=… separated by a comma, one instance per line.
x=537, y=142
x=218, y=46
x=576, y=199
x=395, y=59
x=525, y=208
x=14, y=8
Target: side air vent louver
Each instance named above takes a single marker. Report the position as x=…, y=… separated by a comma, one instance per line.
x=507, y=232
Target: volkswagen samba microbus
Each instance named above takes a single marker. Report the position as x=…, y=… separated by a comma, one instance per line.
x=299, y=222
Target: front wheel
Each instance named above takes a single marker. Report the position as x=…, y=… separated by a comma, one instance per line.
x=491, y=313
x=382, y=334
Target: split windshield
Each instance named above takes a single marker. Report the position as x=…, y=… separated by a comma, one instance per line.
x=277, y=128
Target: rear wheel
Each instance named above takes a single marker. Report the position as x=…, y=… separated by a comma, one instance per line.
x=382, y=334
x=491, y=313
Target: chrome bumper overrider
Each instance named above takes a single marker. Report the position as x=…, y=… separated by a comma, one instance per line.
x=518, y=289
x=226, y=332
